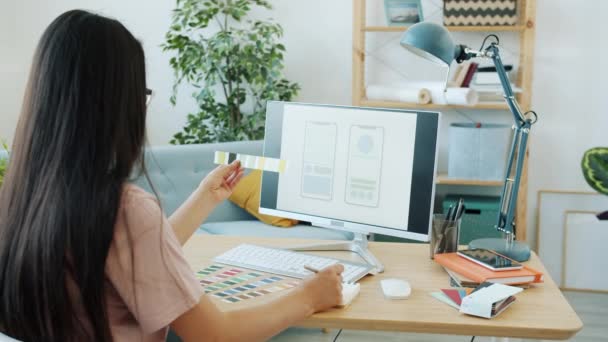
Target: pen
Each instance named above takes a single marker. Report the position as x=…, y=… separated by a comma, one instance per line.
x=447, y=218
x=311, y=269
x=449, y=213
x=458, y=211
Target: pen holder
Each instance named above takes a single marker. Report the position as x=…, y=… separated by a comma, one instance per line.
x=445, y=235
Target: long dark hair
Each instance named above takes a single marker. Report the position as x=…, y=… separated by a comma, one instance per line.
x=81, y=131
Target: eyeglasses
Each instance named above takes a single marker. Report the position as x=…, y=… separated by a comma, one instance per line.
x=149, y=94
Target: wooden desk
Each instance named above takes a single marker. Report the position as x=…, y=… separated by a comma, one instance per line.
x=540, y=312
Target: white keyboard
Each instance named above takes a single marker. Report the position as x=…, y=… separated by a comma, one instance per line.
x=287, y=263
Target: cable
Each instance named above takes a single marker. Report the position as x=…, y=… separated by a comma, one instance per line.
x=472, y=338
x=337, y=335
x=465, y=116
x=483, y=44
x=533, y=113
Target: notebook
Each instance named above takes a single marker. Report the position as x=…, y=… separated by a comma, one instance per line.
x=480, y=274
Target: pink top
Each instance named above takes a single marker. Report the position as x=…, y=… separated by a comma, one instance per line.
x=148, y=281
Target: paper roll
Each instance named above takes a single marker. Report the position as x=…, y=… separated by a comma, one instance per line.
x=461, y=96
x=425, y=96
x=450, y=96
x=399, y=94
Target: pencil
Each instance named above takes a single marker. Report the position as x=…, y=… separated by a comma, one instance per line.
x=311, y=269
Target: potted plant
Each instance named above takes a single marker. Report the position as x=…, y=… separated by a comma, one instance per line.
x=235, y=70
x=595, y=170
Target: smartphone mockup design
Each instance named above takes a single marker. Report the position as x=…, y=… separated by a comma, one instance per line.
x=318, y=164
x=364, y=167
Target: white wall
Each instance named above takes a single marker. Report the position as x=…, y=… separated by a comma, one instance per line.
x=568, y=90
x=569, y=94
x=317, y=37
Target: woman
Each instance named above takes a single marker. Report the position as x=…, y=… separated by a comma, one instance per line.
x=84, y=256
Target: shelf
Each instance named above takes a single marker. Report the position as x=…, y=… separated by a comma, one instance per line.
x=445, y=180
x=525, y=30
x=391, y=104
x=515, y=28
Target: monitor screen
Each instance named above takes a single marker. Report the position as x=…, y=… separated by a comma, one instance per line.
x=365, y=170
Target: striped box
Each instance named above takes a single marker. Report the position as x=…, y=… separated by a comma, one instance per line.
x=480, y=12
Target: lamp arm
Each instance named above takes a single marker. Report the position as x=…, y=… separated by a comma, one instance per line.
x=508, y=199
x=521, y=131
x=493, y=52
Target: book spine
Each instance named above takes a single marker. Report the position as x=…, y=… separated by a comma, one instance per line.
x=469, y=76
x=463, y=72
x=538, y=277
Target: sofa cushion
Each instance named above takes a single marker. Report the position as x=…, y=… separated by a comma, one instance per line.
x=246, y=195
x=259, y=229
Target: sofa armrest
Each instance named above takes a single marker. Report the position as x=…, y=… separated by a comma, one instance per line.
x=176, y=171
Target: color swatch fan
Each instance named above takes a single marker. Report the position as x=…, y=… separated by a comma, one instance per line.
x=233, y=285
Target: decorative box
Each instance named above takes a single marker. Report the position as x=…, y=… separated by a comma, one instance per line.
x=479, y=12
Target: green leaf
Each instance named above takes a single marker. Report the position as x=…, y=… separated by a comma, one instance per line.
x=239, y=64
x=595, y=168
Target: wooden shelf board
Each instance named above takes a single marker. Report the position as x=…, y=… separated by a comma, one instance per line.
x=445, y=180
x=391, y=104
x=515, y=28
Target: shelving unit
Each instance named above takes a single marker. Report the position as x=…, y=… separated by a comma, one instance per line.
x=525, y=28
x=514, y=28
x=391, y=104
x=445, y=180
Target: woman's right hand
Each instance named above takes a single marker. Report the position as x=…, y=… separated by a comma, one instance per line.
x=324, y=289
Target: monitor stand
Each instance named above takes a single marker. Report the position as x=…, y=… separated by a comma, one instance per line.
x=357, y=245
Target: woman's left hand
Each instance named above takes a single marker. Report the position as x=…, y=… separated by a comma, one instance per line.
x=220, y=182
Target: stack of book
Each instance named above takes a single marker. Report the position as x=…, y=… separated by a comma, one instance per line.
x=486, y=83
x=465, y=273
x=484, y=80
x=463, y=76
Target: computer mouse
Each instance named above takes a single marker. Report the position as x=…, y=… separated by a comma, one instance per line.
x=349, y=292
x=396, y=288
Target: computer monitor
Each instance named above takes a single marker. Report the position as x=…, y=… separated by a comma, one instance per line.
x=364, y=170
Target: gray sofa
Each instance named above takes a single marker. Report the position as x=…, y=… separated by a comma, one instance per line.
x=176, y=171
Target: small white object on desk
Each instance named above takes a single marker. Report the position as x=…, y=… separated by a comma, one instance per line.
x=349, y=292
x=487, y=301
x=396, y=288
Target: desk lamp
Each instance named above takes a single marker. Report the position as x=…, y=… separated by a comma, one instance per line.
x=434, y=42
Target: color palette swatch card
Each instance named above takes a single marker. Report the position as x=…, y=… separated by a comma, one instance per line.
x=453, y=297
x=233, y=285
x=488, y=300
